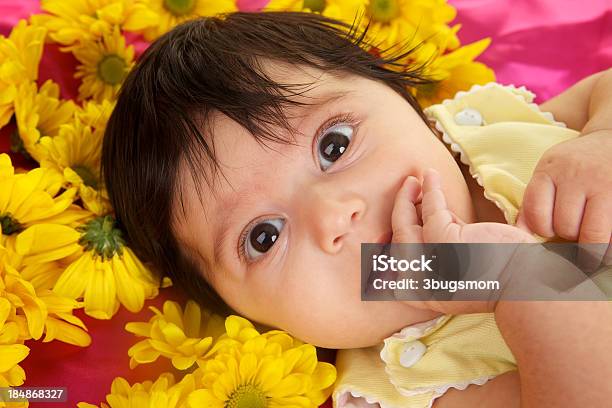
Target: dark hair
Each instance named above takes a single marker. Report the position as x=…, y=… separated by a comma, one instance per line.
x=213, y=65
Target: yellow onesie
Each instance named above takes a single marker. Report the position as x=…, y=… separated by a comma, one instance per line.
x=500, y=134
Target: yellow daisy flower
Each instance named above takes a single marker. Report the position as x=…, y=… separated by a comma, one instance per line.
x=107, y=273
x=75, y=153
x=454, y=72
x=184, y=337
x=30, y=198
x=263, y=371
x=39, y=113
x=20, y=55
x=174, y=12
x=12, y=351
x=163, y=393
x=104, y=65
x=74, y=21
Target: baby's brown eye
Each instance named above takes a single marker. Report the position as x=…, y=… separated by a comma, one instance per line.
x=263, y=235
x=333, y=144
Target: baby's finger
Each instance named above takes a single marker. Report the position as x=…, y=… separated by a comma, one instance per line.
x=568, y=212
x=597, y=221
x=435, y=213
x=434, y=202
x=538, y=204
x=596, y=228
x=404, y=217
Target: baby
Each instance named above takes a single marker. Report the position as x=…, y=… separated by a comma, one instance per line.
x=248, y=157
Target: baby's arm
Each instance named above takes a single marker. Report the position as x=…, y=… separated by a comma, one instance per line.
x=585, y=106
x=561, y=348
x=570, y=193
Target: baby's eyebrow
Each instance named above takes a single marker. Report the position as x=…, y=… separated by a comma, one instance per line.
x=320, y=102
x=231, y=202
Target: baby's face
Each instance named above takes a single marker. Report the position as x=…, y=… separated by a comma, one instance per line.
x=282, y=237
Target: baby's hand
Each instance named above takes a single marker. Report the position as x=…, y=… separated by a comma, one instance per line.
x=439, y=224
x=570, y=193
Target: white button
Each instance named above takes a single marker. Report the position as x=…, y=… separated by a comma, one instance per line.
x=468, y=117
x=412, y=353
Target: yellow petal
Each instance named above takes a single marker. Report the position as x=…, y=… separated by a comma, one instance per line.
x=248, y=367
x=74, y=280
x=173, y=313
x=86, y=405
x=120, y=386
x=140, y=18
x=294, y=384
x=203, y=398
x=139, y=328
x=270, y=373
x=183, y=363
x=129, y=291
x=172, y=333
x=15, y=376
x=11, y=355
x=192, y=319
x=36, y=314
x=68, y=333
x=41, y=238
x=323, y=376
x=100, y=295
x=308, y=361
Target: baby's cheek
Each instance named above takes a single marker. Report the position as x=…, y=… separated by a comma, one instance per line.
x=321, y=313
x=324, y=327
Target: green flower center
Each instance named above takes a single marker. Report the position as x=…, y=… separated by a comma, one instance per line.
x=383, y=10
x=87, y=175
x=102, y=236
x=179, y=7
x=9, y=224
x=315, y=5
x=112, y=69
x=247, y=396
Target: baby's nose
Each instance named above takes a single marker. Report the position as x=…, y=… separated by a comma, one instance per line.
x=334, y=218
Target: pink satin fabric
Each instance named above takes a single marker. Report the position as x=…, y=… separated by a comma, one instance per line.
x=546, y=45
